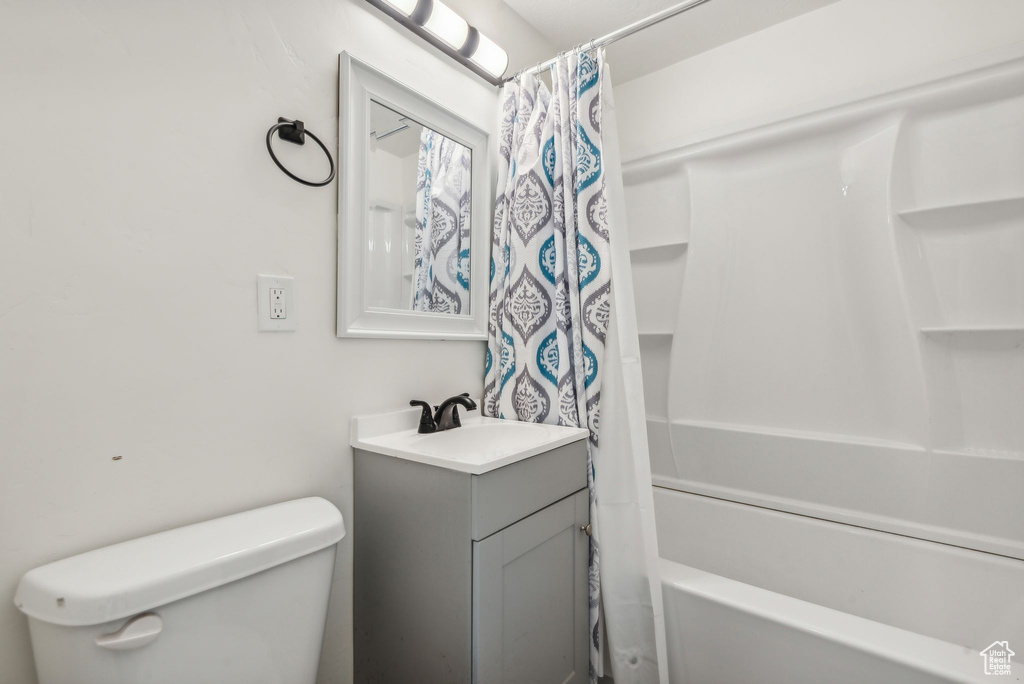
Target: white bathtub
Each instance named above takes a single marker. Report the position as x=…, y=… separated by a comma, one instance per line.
x=729, y=621
x=725, y=632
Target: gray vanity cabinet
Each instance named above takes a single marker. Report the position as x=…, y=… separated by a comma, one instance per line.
x=471, y=578
x=530, y=598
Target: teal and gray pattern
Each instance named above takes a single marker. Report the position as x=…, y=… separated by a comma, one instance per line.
x=443, y=203
x=550, y=266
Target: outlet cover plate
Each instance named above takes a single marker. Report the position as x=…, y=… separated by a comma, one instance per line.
x=264, y=284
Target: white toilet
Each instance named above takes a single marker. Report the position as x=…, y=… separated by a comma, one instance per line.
x=236, y=600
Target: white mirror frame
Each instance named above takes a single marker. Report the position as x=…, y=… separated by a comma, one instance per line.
x=361, y=83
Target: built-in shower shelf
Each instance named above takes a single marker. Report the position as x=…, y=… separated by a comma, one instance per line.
x=965, y=215
x=974, y=330
x=1008, y=338
x=670, y=249
x=981, y=452
x=654, y=335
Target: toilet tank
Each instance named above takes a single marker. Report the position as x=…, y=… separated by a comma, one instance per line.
x=236, y=600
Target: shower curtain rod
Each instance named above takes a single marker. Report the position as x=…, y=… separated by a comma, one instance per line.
x=615, y=35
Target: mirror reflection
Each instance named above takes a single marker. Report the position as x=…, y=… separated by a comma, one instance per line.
x=419, y=220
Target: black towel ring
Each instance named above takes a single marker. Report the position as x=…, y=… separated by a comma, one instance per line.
x=295, y=132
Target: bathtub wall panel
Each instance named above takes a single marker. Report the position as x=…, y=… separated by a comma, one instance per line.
x=901, y=488
x=831, y=306
x=792, y=315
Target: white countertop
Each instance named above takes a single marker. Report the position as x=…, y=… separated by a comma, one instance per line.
x=479, y=446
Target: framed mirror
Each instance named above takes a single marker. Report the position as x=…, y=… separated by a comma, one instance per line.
x=413, y=213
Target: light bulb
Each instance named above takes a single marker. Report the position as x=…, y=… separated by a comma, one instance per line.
x=448, y=26
x=489, y=57
x=406, y=7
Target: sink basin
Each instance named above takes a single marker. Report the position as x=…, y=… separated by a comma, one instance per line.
x=480, y=445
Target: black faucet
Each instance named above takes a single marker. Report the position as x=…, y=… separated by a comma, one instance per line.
x=446, y=416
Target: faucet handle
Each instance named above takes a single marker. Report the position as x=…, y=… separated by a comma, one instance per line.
x=427, y=424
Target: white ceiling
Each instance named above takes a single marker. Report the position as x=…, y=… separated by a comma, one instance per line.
x=566, y=23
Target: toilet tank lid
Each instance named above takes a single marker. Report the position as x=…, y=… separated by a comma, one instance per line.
x=139, y=575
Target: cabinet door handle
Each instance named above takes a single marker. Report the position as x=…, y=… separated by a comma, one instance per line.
x=587, y=529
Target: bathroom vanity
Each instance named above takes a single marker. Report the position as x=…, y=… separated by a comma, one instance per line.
x=471, y=551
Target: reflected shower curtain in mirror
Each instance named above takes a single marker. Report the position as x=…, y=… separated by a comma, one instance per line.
x=443, y=204
x=551, y=354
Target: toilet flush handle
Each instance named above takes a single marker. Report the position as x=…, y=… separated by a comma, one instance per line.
x=136, y=633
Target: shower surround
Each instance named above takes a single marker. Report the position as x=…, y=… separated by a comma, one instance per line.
x=831, y=314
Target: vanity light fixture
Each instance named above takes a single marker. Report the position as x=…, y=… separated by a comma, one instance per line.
x=441, y=26
x=445, y=24
x=490, y=57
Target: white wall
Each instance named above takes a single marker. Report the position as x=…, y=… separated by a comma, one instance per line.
x=137, y=205
x=847, y=45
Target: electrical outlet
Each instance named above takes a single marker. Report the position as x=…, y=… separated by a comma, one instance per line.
x=278, y=305
x=275, y=301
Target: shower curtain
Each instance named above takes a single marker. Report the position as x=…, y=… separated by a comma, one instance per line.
x=562, y=338
x=443, y=193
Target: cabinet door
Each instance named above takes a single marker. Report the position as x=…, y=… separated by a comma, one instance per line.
x=530, y=598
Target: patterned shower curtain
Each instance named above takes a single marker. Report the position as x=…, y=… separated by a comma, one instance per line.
x=443, y=202
x=550, y=271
